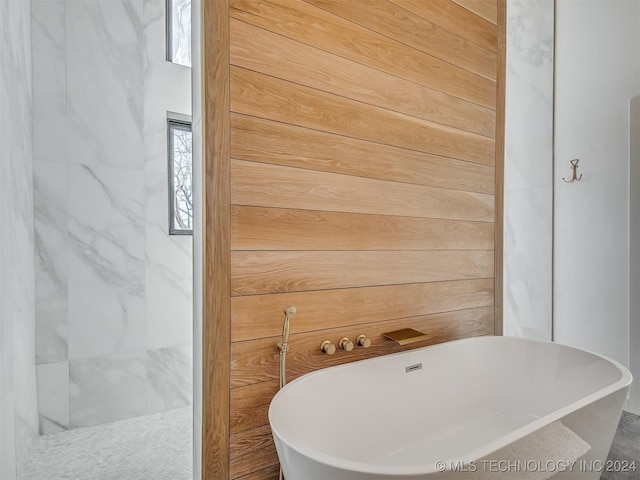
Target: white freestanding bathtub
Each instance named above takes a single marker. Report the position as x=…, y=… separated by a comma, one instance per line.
x=487, y=407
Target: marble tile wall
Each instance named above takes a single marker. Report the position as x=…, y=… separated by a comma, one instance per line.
x=18, y=401
x=113, y=289
x=528, y=183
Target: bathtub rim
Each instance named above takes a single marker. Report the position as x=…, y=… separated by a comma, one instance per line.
x=407, y=470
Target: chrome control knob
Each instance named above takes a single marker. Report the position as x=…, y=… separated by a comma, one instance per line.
x=328, y=347
x=346, y=344
x=363, y=341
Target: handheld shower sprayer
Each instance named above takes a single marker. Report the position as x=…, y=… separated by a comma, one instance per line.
x=283, y=345
x=289, y=313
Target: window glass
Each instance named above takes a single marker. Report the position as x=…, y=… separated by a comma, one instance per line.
x=179, y=31
x=180, y=174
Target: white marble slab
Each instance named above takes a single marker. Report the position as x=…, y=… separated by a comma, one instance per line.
x=18, y=404
x=169, y=276
x=105, y=84
x=21, y=302
x=529, y=94
x=528, y=273
x=6, y=337
x=7, y=439
x=105, y=389
x=52, y=260
x=169, y=378
x=106, y=261
x=528, y=176
x=17, y=248
x=49, y=80
x=25, y=410
x=53, y=397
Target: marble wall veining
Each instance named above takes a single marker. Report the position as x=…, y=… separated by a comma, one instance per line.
x=528, y=176
x=105, y=227
x=18, y=401
x=113, y=289
x=105, y=83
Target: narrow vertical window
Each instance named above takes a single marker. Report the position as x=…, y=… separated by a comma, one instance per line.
x=179, y=32
x=180, y=178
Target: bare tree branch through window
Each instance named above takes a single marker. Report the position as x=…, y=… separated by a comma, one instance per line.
x=181, y=175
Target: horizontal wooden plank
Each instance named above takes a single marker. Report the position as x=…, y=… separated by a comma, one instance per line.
x=258, y=184
x=267, y=141
x=251, y=451
x=250, y=405
x=258, y=228
x=259, y=316
x=308, y=24
x=262, y=185
x=364, y=152
x=275, y=99
x=269, y=473
x=456, y=19
x=255, y=362
x=487, y=9
x=258, y=273
x=260, y=50
x=405, y=27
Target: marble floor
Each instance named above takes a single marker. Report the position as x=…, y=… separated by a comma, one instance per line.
x=625, y=448
x=152, y=447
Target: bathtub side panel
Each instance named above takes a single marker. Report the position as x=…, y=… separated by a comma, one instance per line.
x=596, y=424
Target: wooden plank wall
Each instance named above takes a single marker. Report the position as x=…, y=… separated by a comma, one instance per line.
x=365, y=169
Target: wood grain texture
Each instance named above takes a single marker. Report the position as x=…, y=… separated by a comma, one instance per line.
x=260, y=50
x=257, y=228
x=267, y=141
x=216, y=241
x=250, y=405
x=258, y=273
x=500, y=129
x=260, y=316
x=262, y=185
x=252, y=450
x=409, y=29
x=307, y=24
x=274, y=99
x=255, y=362
x=269, y=473
x=484, y=8
x=353, y=168
x=456, y=19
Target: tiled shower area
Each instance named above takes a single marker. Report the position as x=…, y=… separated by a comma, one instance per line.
x=151, y=447
x=96, y=316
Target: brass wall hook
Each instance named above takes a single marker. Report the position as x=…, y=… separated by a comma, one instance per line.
x=574, y=167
